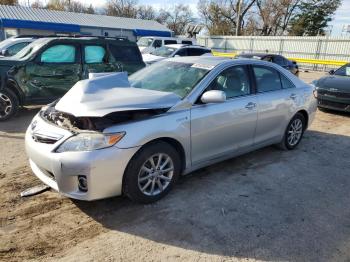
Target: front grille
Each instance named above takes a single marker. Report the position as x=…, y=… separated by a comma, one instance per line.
x=333, y=104
x=40, y=138
x=334, y=94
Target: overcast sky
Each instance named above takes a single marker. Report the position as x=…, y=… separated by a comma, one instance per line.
x=341, y=18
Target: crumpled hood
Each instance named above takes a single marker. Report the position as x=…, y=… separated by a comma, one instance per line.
x=112, y=93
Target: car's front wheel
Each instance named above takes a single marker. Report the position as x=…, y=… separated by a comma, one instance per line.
x=294, y=132
x=8, y=104
x=151, y=173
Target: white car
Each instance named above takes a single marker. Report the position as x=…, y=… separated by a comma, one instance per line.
x=11, y=46
x=168, y=51
x=150, y=43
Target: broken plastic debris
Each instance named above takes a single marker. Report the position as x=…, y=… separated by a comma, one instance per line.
x=34, y=190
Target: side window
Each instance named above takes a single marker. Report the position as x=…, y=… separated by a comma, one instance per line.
x=186, y=42
x=267, y=58
x=267, y=79
x=234, y=81
x=343, y=71
x=94, y=54
x=286, y=83
x=196, y=51
x=59, y=54
x=125, y=53
x=157, y=43
x=12, y=50
x=170, y=42
x=279, y=60
x=182, y=52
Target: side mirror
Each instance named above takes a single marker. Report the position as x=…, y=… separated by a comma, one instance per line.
x=331, y=72
x=213, y=96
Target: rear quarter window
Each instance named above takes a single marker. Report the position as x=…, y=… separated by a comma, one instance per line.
x=125, y=53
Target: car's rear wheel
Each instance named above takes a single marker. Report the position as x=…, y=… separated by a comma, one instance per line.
x=8, y=104
x=151, y=173
x=294, y=132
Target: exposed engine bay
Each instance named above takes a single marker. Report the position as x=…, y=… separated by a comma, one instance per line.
x=76, y=124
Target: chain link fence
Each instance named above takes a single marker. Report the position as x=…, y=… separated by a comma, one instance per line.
x=322, y=48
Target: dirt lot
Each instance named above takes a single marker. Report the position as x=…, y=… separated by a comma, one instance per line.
x=266, y=205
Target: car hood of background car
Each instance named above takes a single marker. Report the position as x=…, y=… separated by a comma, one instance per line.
x=341, y=83
x=151, y=58
x=112, y=93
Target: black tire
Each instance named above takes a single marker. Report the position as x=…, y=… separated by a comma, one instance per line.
x=9, y=104
x=285, y=144
x=131, y=183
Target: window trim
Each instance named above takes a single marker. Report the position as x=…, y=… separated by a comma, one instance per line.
x=111, y=55
x=256, y=85
x=107, y=56
x=250, y=80
x=77, y=60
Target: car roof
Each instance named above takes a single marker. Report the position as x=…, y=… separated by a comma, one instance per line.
x=213, y=61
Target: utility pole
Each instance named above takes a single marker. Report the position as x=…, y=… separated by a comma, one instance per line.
x=238, y=24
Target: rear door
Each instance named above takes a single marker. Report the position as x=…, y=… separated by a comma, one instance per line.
x=276, y=96
x=218, y=129
x=97, y=60
x=127, y=57
x=53, y=72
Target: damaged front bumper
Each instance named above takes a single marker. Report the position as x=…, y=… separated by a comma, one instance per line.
x=103, y=169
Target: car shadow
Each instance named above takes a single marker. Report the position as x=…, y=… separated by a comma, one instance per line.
x=267, y=205
x=20, y=122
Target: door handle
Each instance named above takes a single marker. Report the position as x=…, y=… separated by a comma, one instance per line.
x=293, y=96
x=250, y=105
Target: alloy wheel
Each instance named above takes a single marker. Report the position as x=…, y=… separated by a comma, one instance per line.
x=295, y=132
x=155, y=174
x=5, y=105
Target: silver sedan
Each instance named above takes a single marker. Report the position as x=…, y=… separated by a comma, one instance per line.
x=135, y=136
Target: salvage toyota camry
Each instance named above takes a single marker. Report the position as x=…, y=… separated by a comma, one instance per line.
x=113, y=135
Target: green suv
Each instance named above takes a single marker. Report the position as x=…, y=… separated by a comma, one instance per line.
x=47, y=68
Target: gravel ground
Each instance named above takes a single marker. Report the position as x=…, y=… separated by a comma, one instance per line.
x=267, y=205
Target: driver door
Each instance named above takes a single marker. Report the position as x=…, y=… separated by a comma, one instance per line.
x=53, y=72
x=218, y=129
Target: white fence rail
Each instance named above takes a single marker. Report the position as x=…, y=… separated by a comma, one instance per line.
x=325, y=48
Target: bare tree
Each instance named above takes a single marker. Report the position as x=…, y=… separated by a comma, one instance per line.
x=122, y=8
x=146, y=12
x=176, y=17
x=8, y=2
x=275, y=15
x=225, y=15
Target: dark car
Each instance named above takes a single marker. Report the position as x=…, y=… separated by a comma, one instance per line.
x=333, y=91
x=290, y=65
x=47, y=68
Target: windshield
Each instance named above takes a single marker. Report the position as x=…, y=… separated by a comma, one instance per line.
x=166, y=76
x=144, y=41
x=343, y=71
x=164, y=51
x=30, y=49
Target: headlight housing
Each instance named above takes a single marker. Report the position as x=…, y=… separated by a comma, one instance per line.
x=89, y=142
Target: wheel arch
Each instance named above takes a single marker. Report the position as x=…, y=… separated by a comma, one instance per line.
x=304, y=113
x=169, y=140
x=12, y=85
x=174, y=143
